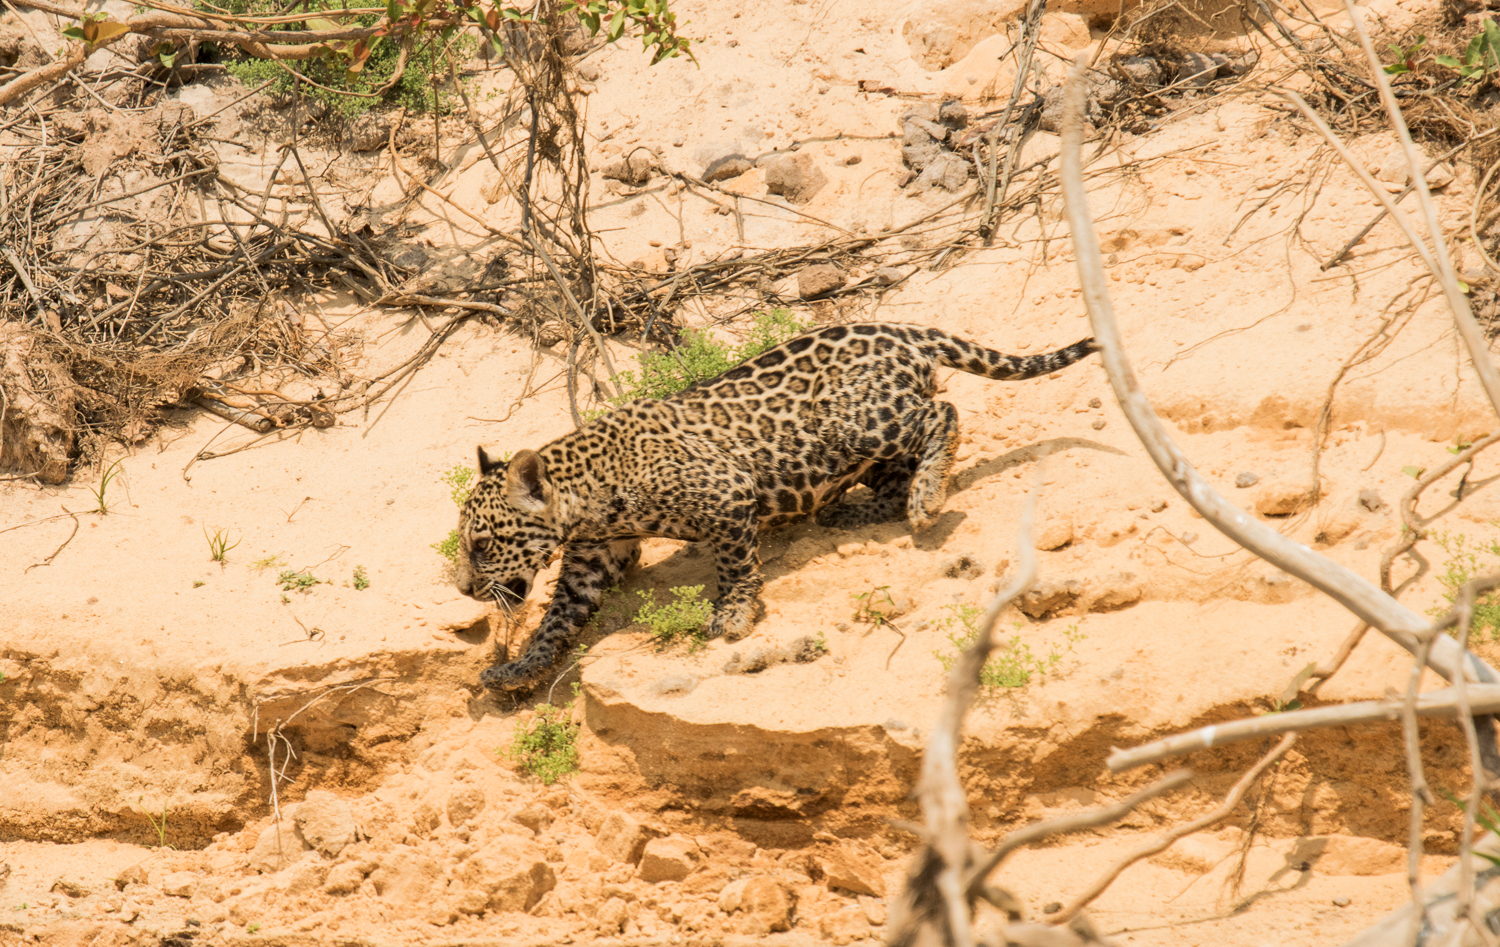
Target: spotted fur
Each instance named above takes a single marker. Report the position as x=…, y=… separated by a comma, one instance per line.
x=770, y=441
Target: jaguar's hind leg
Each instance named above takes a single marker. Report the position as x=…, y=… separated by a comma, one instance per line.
x=935, y=452
x=890, y=481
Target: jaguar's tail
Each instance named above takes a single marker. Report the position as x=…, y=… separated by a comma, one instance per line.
x=967, y=356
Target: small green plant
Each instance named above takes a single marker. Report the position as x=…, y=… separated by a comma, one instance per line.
x=252, y=927
x=361, y=579
x=1414, y=472
x=1013, y=667
x=198, y=583
x=685, y=616
x=101, y=501
x=219, y=545
x=700, y=357
x=157, y=823
x=1466, y=559
x=1407, y=58
x=1482, y=55
x=22, y=906
x=1460, y=444
x=460, y=481
x=269, y=562
x=547, y=747
x=298, y=581
x=875, y=607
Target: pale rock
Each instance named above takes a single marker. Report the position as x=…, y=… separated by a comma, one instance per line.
x=634, y=169
x=818, y=279
x=1371, y=501
x=1283, y=499
x=621, y=838
x=181, y=884
x=279, y=844
x=534, y=817
x=947, y=171
x=407, y=877
x=854, y=868
x=464, y=803
x=512, y=877
x=612, y=915
x=1055, y=533
x=767, y=904
x=844, y=926
x=796, y=177
x=326, y=822
x=309, y=874
x=1050, y=596
x=668, y=859
x=1113, y=591
x=344, y=878
x=726, y=168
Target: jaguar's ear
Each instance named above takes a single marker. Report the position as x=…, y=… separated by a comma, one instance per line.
x=526, y=483
x=488, y=464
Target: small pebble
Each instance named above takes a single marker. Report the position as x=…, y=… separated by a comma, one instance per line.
x=1052, y=907
x=1094, y=402
x=1158, y=505
x=1189, y=538
x=1341, y=902
x=1246, y=479
x=1098, y=425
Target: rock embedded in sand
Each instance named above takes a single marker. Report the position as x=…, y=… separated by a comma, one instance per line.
x=851, y=867
x=635, y=169
x=1050, y=596
x=181, y=884
x=795, y=177
x=1371, y=501
x=464, y=803
x=727, y=168
x=814, y=281
x=947, y=171
x=668, y=859
x=622, y=838
x=278, y=845
x=1283, y=499
x=1245, y=479
x=326, y=822
x=766, y=904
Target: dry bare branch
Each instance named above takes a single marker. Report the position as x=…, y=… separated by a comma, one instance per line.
x=1483, y=698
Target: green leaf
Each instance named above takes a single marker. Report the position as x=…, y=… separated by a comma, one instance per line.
x=1464, y=287
x=73, y=32
x=1396, y=69
x=616, y=25
x=1448, y=61
x=1414, y=472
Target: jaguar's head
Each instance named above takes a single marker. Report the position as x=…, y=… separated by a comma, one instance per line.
x=507, y=529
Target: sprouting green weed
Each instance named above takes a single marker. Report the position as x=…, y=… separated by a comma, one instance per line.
x=198, y=583
x=1466, y=559
x=361, y=578
x=875, y=607
x=1014, y=666
x=298, y=581
x=1487, y=817
x=269, y=562
x=252, y=927
x=547, y=747
x=101, y=493
x=219, y=545
x=159, y=823
x=686, y=616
